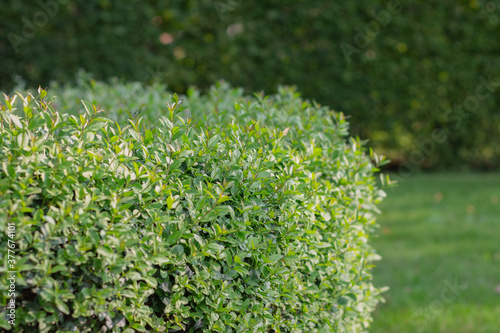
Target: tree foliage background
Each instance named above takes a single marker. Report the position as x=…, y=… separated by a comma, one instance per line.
x=419, y=79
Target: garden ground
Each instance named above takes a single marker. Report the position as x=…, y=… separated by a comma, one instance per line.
x=440, y=243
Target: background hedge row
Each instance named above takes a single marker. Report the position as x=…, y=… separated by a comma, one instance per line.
x=400, y=69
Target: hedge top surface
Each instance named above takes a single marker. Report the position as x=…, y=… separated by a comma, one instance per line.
x=253, y=217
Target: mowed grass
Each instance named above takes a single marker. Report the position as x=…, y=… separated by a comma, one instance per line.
x=440, y=244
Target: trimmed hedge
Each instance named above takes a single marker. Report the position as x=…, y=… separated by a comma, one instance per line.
x=235, y=214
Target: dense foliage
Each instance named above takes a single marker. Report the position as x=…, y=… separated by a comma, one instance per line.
x=234, y=214
x=400, y=69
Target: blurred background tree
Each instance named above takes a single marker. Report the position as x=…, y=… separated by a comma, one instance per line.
x=399, y=69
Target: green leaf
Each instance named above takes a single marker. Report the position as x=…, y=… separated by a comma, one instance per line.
x=275, y=257
x=223, y=199
x=134, y=276
x=148, y=137
x=89, y=108
x=216, y=247
x=61, y=306
x=139, y=327
x=242, y=270
x=128, y=293
x=105, y=251
x=174, y=236
x=15, y=119
x=160, y=259
x=151, y=281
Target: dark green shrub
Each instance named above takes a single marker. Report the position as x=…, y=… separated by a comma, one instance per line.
x=399, y=82
x=236, y=214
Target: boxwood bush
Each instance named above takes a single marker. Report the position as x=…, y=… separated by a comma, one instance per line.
x=212, y=213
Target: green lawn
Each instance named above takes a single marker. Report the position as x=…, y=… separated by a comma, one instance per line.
x=440, y=243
